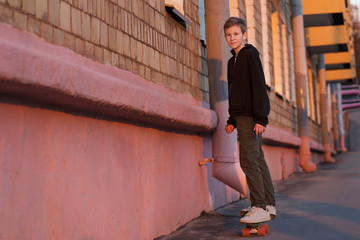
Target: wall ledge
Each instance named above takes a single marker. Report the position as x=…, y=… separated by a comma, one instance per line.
x=33, y=68
x=274, y=136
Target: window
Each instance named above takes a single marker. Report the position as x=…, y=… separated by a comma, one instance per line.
x=176, y=9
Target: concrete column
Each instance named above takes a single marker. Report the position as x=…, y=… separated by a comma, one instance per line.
x=341, y=118
x=300, y=85
x=226, y=167
x=323, y=110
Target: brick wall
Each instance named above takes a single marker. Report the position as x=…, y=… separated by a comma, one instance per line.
x=137, y=36
x=315, y=131
x=253, y=13
x=282, y=113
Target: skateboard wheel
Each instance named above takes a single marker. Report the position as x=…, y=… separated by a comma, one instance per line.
x=266, y=227
x=261, y=231
x=246, y=232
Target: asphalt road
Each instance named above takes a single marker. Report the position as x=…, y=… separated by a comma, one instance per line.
x=321, y=205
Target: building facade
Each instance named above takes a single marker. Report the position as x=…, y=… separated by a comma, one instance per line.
x=112, y=112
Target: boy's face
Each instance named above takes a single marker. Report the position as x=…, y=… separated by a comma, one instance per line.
x=235, y=38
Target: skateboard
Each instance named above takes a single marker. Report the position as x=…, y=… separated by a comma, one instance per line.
x=255, y=228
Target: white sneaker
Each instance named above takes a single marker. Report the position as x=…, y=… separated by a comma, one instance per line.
x=256, y=215
x=245, y=211
x=272, y=211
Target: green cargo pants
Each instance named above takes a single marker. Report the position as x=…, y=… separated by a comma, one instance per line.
x=253, y=164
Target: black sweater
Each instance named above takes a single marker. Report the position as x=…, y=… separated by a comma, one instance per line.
x=247, y=88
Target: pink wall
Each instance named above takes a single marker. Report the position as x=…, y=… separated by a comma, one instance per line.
x=281, y=161
x=73, y=177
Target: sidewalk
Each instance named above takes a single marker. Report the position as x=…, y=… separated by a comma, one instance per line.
x=321, y=205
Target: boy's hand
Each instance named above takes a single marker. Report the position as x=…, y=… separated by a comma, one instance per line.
x=229, y=128
x=259, y=129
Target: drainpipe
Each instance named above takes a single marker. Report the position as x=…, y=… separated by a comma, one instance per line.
x=300, y=85
x=226, y=166
x=323, y=110
x=334, y=118
x=341, y=118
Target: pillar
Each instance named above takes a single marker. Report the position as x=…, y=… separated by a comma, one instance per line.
x=341, y=118
x=300, y=85
x=326, y=140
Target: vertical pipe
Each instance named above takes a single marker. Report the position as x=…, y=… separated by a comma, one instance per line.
x=334, y=118
x=226, y=167
x=341, y=118
x=300, y=84
x=323, y=110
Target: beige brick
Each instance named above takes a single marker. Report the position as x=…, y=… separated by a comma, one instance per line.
x=162, y=63
x=33, y=26
x=41, y=9
x=96, y=8
x=95, y=30
x=126, y=45
x=120, y=42
x=90, y=7
x=151, y=53
x=104, y=34
x=65, y=16
x=29, y=6
x=147, y=73
x=128, y=64
x=86, y=26
x=139, y=51
x=58, y=37
x=113, y=15
x=83, y=5
x=89, y=49
x=14, y=3
x=79, y=45
x=114, y=59
x=99, y=53
x=47, y=31
x=101, y=6
x=142, y=70
x=121, y=3
x=152, y=3
x=156, y=59
x=20, y=20
x=132, y=48
x=141, y=5
x=69, y=41
x=112, y=39
x=121, y=62
x=146, y=16
x=76, y=21
x=146, y=56
x=54, y=12
x=107, y=12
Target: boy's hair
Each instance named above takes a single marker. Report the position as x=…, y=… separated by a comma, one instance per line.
x=235, y=21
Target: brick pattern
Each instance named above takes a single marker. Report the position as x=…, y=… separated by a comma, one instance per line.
x=282, y=113
x=137, y=36
x=203, y=75
x=315, y=131
x=268, y=62
x=253, y=13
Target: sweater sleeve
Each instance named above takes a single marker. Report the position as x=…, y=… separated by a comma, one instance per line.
x=260, y=99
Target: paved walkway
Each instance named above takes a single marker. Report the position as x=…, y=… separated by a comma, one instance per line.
x=321, y=205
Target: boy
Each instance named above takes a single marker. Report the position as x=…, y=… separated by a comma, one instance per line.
x=248, y=108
